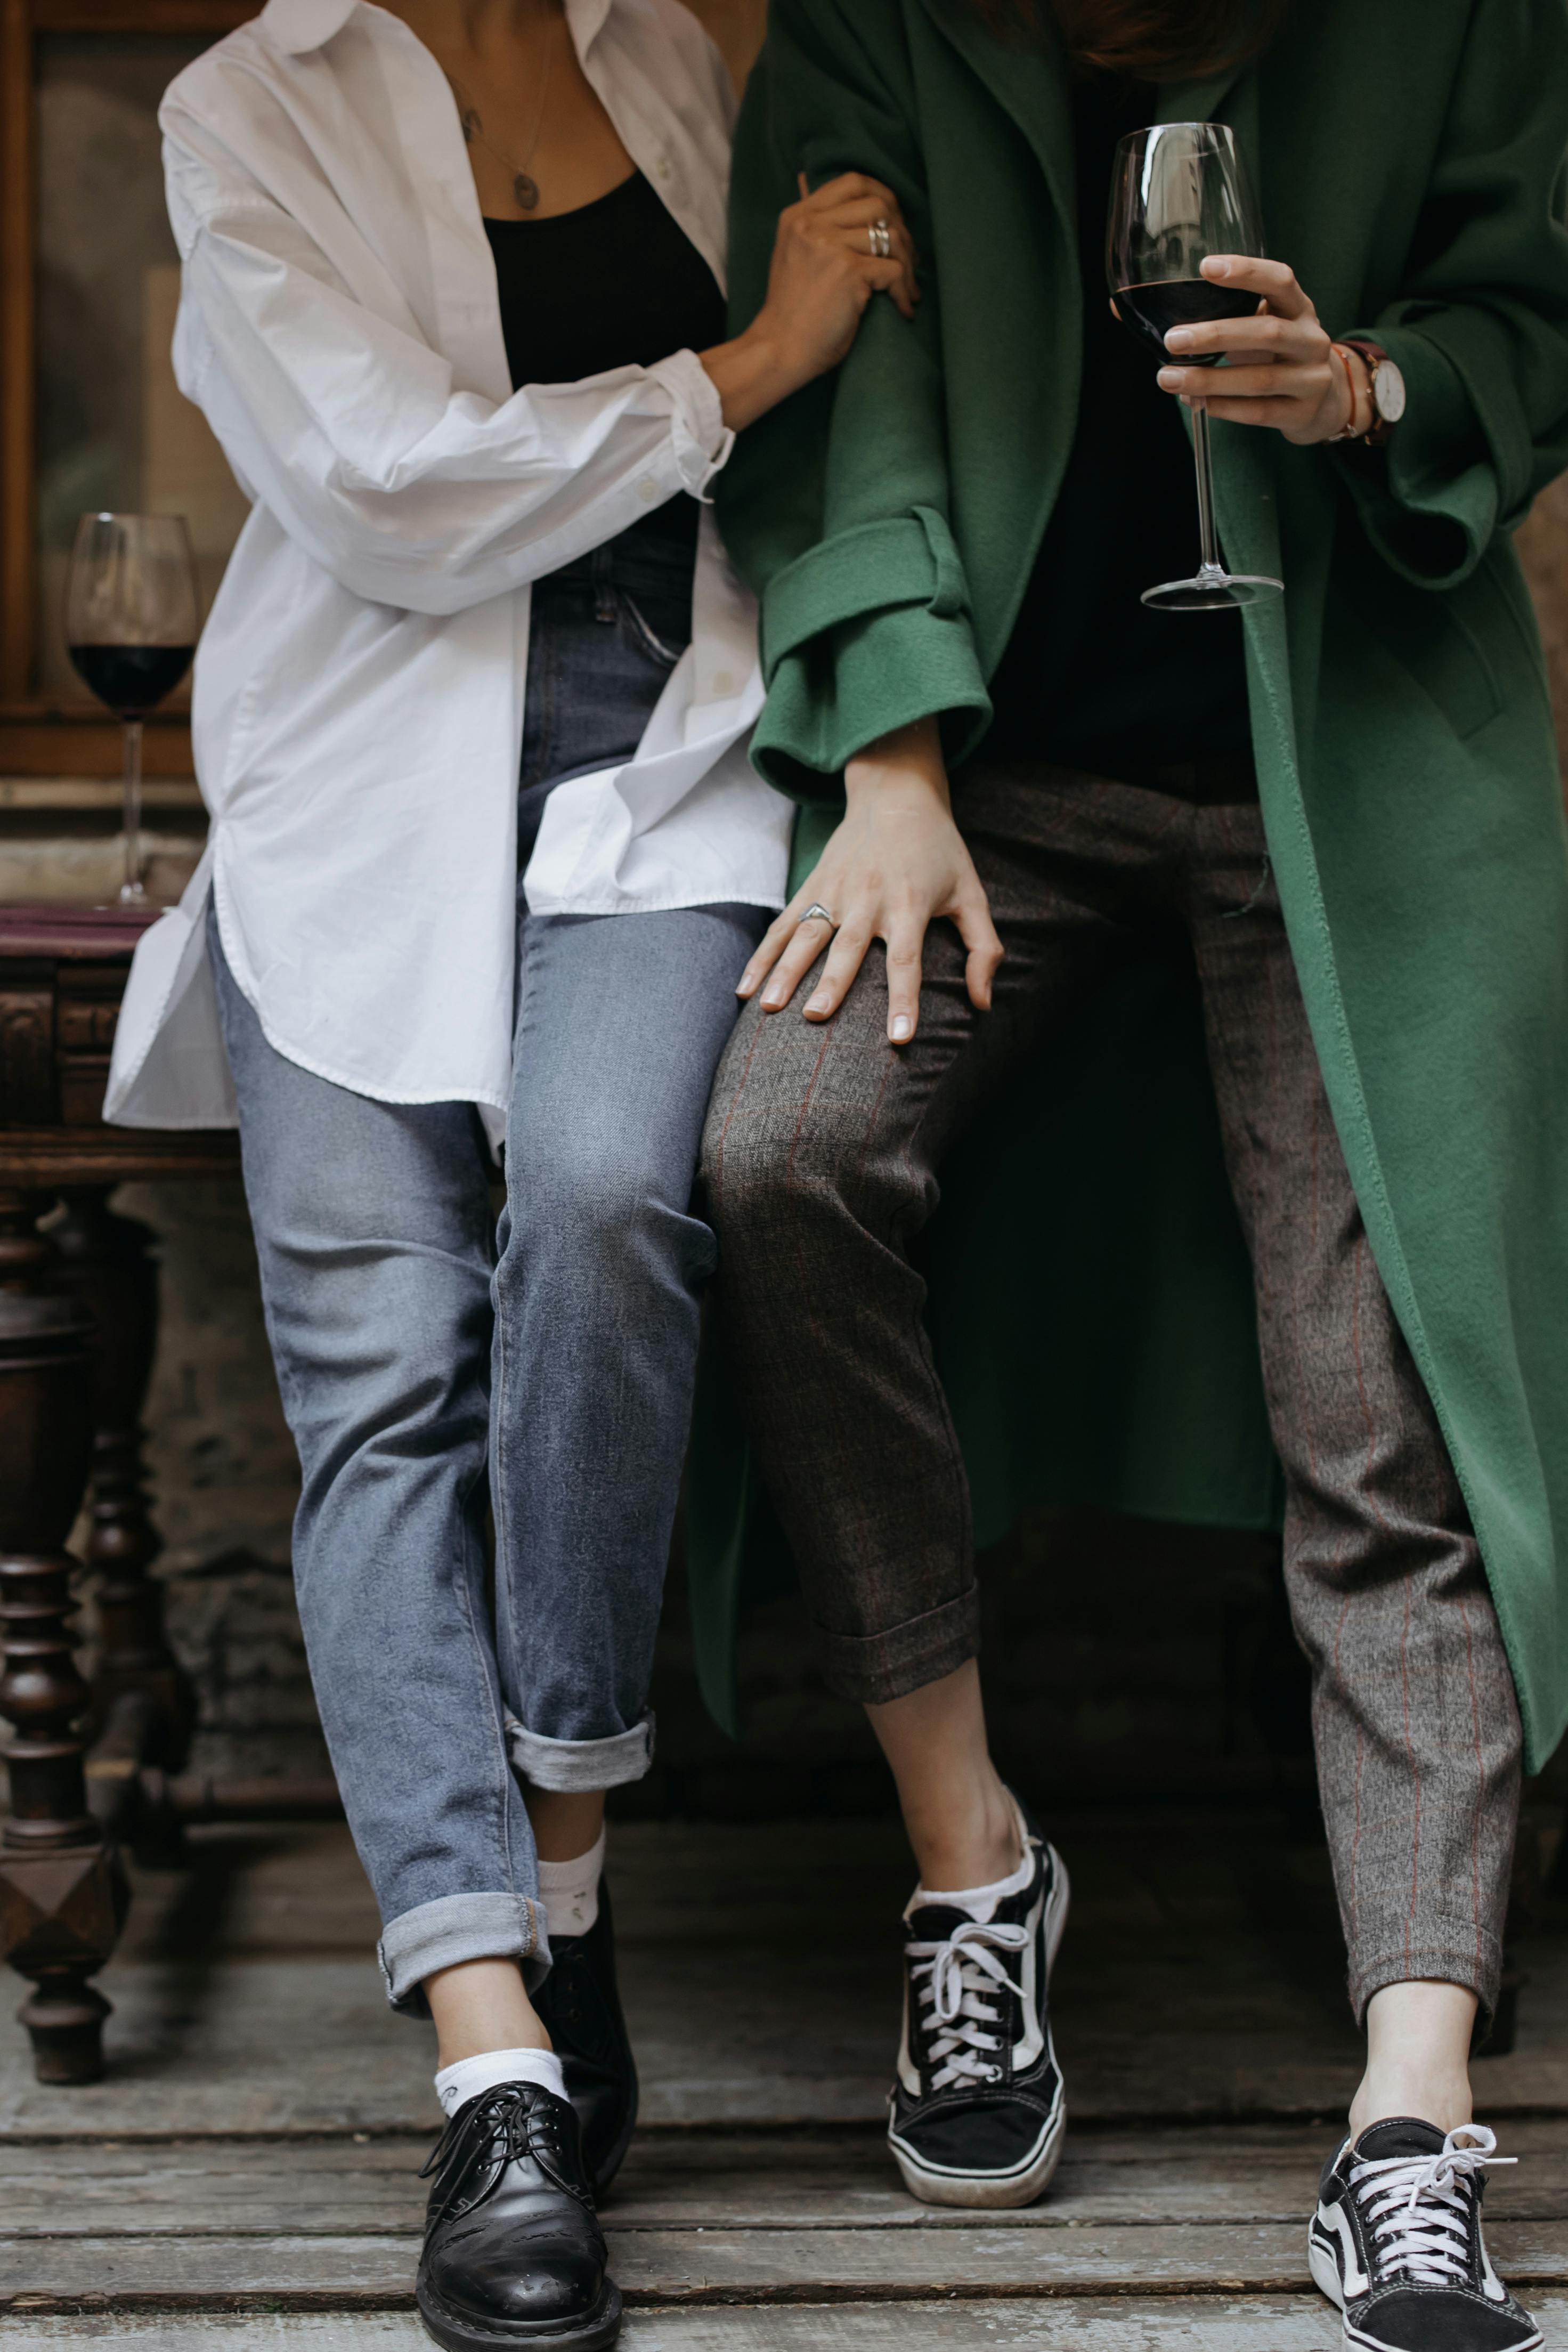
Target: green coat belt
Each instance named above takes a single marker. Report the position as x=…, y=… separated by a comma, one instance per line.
x=1089, y=1296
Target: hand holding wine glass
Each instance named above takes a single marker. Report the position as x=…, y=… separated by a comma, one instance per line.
x=1179, y=196
x=1282, y=369
x=131, y=627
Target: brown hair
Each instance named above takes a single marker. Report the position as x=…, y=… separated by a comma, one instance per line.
x=1146, y=41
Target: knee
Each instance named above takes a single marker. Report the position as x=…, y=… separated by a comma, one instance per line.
x=744, y=1175
x=774, y=1161
x=590, y=1202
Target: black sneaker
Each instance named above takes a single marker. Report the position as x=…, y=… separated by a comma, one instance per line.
x=581, y=2009
x=977, y=2112
x=513, y=2251
x=1396, y=2243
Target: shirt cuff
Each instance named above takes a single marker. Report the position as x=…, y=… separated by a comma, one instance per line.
x=703, y=441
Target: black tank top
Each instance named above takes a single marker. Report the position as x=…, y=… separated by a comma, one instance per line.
x=616, y=283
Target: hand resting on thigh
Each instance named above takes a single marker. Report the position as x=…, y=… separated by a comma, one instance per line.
x=896, y=864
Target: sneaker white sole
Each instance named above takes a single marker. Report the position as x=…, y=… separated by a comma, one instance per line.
x=987, y=2192
x=1324, y=2264
x=1001, y=2192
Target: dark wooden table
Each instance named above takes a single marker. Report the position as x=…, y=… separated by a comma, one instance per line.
x=79, y=1313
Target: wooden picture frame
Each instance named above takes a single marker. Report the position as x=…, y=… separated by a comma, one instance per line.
x=48, y=736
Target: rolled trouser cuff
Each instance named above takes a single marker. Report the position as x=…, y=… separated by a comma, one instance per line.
x=573, y=1764
x=1464, y=1956
x=876, y=1667
x=457, y=1927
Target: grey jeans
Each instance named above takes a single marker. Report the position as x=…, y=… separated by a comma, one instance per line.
x=431, y=1367
x=821, y=1164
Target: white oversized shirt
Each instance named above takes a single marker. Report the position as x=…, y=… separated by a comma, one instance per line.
x=357, y=704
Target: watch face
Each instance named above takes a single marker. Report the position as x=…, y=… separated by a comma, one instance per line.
x=1388, y=391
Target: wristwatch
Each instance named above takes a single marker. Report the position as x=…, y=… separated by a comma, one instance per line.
x=1387, y=389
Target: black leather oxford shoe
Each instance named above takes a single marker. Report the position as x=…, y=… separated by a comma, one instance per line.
x=513, y=2251
x=580, y=2011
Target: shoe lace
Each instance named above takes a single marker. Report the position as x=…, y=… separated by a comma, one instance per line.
x=1418, y=2210
x=502, y=2125
x=959, y=1981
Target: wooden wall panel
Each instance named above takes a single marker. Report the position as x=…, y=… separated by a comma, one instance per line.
x=737, y=25
x=1543, y=549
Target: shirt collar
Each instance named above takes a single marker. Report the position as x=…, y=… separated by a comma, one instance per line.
x=296, y=25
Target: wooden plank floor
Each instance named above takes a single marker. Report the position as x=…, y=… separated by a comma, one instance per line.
x=246, y=2175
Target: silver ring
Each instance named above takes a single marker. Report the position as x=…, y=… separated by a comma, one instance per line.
x=881, y=237
x=816, y=913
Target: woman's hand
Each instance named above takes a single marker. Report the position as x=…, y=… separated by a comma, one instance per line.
x=1283, y=370
x=827, y=264
x=895, y=864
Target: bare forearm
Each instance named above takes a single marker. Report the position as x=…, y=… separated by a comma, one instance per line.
x=906, y=762
x=751, y=375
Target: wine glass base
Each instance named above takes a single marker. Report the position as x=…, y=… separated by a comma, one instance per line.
x=1213, y=592
x=131, y=894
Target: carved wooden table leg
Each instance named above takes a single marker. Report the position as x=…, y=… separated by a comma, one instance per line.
x=62, y=1892
x=108, y=1266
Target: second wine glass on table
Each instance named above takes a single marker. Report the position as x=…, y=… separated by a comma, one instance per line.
x=1179, y=194
x=132, y=608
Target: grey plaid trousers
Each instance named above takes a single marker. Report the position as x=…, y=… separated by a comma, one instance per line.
x=820, y=1162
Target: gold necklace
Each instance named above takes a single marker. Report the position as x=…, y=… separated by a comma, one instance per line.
x=525, y=187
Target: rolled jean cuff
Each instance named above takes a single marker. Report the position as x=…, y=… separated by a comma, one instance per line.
x=457, y=1927
x=570, y=1765
x=1462, y=1956
x=876, y=1667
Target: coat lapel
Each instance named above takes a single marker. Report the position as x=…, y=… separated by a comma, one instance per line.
x=1029, y=82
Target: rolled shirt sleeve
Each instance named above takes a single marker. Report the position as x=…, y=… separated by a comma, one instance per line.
x=409, y=488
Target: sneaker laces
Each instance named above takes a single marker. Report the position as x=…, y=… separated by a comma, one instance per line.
x=1418, y=2209
x=959, y=1981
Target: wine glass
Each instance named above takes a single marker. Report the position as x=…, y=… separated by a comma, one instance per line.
x=1179, y=192
x=131, y=629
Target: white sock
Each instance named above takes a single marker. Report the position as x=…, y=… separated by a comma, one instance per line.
x=570, y=1890
x=455, y=2086
x=980, y=1902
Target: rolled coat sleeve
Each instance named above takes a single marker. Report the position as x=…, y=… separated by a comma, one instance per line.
x=865, y=602
x=354, y=431
x=1479, y=329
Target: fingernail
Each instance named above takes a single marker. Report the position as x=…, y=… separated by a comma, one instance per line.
x=902, y=1027
x=1179, y=340
x=1215, y=268
x=1170, y=378
x=774, y=999
x=819, y=1003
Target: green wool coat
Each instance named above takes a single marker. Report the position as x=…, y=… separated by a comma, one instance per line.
x=1090, y=1297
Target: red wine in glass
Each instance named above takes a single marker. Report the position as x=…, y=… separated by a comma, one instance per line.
x=1179, y=194
x=1151, y=311
x=131, y=680
x=131, y=626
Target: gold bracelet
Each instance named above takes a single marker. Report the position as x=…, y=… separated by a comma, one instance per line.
x=1352, y=432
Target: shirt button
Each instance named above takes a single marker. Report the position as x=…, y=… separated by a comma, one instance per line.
x=663, y=167
x=648, y=490
x=722, y=682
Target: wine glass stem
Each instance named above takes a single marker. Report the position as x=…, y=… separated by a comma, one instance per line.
x=1204, y=464
x=131, y=885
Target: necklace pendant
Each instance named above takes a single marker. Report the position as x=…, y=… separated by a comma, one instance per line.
x=525, y=192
